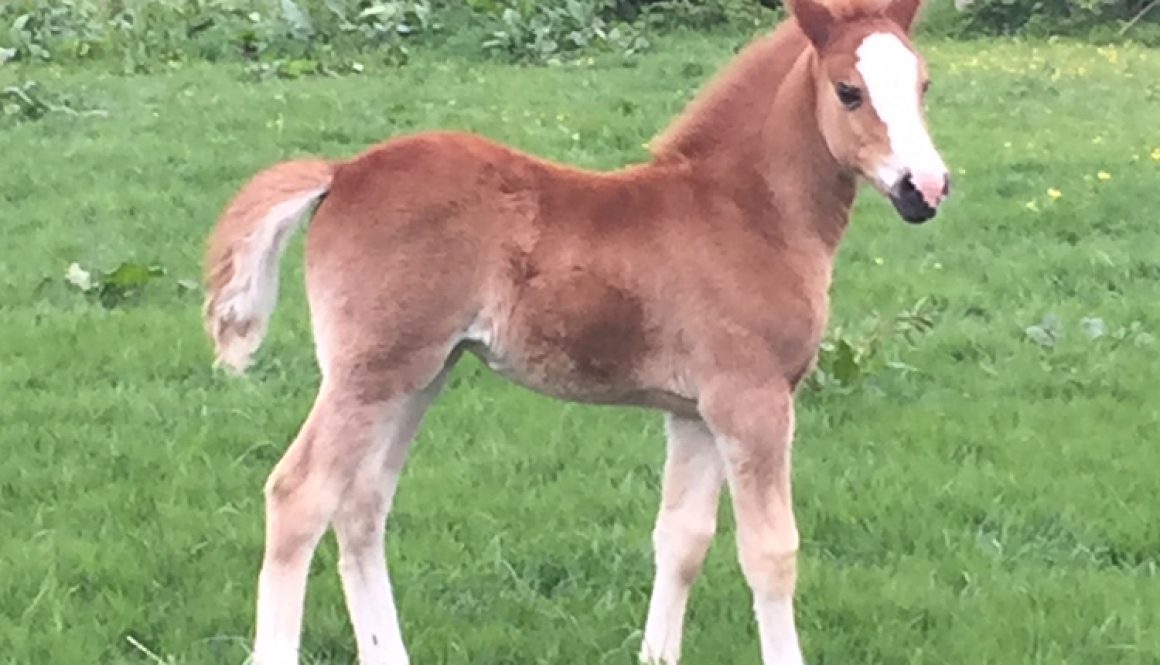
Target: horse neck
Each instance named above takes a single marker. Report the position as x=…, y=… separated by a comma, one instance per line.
x=755, y=131
x=810, y=191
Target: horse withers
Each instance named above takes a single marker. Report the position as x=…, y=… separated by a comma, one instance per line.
x=696, y=284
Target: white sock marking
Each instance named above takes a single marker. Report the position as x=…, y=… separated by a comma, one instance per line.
x=779, y=641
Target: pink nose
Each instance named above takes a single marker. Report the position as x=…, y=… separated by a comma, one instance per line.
x=934, y=187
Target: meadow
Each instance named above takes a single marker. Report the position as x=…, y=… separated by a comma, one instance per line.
x=975, y=468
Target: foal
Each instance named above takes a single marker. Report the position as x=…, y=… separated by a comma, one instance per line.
x=695, y=284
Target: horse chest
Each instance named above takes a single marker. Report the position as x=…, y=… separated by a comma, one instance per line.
x=765, y=333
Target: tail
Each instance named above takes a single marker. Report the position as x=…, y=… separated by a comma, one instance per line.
x=241, y=267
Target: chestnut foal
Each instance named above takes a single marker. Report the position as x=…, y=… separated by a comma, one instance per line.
x=695, y=284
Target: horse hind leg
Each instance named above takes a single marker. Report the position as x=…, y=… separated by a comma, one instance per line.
x=342, y=466
x=301, y=494
x=360, y=525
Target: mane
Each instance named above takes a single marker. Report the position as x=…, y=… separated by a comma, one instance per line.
x=727, y=105
x=844, y=10
x=730, y=106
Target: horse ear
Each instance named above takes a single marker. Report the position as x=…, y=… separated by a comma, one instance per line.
x=814, y=19
x=903, y=12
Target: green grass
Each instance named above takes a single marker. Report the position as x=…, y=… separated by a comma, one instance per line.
x=997, y=504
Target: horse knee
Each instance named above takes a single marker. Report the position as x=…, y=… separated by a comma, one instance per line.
x=770, y=565
x=682, y=546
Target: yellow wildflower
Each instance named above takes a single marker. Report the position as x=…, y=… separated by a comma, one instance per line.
x=1032, y=206
x=1156, y=154
x=1054, y=193
x=1104, y=176
x=878, y=260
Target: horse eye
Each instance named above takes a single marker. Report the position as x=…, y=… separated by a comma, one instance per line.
x=850, y=96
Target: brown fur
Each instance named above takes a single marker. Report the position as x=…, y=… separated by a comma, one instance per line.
x=696, y=283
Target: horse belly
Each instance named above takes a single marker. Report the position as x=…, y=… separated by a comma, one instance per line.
x=601, y=361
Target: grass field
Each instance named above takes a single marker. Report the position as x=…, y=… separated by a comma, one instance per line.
x=985, y=492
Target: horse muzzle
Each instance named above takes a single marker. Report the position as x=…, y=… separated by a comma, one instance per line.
x=917, y=200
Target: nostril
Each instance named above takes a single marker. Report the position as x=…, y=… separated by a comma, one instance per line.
x=946, y=190
x=906, y=184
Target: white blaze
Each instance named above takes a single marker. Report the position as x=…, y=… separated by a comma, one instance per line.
x=890, y=72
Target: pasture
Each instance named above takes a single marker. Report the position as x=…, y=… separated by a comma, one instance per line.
x=975, y=475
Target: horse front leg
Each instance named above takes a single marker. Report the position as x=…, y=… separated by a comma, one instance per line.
x=685, y=526
x=753, y=427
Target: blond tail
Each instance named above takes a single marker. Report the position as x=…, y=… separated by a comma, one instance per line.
x=241, y=267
